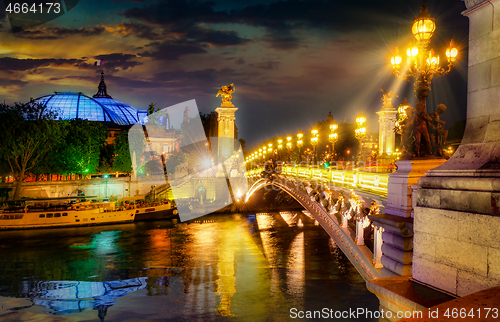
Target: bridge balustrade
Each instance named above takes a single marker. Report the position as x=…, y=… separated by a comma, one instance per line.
x=359, y=255
x=375, y=182
x=333, y=216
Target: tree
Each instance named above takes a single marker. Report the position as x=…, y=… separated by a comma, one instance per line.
x=106, y=158
x=154, y=117
x=122, y=161
x=28, y=132
x=82, y=148
x=174, y=160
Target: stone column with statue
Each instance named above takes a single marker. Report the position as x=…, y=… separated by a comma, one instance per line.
x=386, y=135
x=226, y=119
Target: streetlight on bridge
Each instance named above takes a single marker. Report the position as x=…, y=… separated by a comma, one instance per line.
x=333, y=137
x=314, y=142
x=300, y=143
x=422, y=64
x=360, y=133
x=289, y=146
x=280, y=147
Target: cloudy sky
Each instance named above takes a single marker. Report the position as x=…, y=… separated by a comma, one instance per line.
x=291, y=61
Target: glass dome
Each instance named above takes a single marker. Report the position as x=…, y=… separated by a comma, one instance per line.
x=70, y=105
x=126, y=112
x=101, y=107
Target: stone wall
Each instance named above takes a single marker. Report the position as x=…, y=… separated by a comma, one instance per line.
x=457, y=216
x=456, y=251
x=93, y=187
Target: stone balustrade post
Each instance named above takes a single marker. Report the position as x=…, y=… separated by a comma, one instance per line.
x=377, y=246
x=344, y=222
x=360, y=238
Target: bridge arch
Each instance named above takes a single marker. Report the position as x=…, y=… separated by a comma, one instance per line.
x=329, y=223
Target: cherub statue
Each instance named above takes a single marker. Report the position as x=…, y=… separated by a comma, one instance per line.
x=437, y=131
x=421, y=129
x=225, y=93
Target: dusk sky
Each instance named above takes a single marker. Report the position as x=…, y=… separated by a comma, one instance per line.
x=291, y=61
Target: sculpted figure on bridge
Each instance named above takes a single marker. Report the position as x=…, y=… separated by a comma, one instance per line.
x=438, y=133
x=225, y=93
x=421, y=130
x=387, y=97
x=374, y=208
x=422, y=134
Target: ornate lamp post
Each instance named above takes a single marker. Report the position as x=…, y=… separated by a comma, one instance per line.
x=314, y=142
x=289, y=146
x=280, y=147
x=360, y=133
x=300, y=143
x=422, y=64
x=333, y=137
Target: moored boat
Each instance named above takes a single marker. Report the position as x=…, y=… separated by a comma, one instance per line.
x=76, y=211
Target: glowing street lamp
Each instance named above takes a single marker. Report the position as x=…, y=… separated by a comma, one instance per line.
x=280, y=147
x=360, y=133
x=333, y=137
x=421, y=63
x=300, y=143
x=314, y=142
x=289, y=146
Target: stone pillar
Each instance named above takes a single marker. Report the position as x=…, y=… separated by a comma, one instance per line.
x=397, y=221
x=457, y=217
x=345, y=224
x=399, y=191
x=377, y=246
x=226, y=129
x=360, y=238
x=386, y=135
x=396, y=244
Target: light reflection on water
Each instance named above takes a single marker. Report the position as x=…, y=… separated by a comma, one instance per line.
x=254, y=267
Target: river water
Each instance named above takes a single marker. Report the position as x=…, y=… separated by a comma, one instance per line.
x=261, y=267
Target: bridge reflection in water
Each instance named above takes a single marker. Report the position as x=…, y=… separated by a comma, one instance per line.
x=253, y=267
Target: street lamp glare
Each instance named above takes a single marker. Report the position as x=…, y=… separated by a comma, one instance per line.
x=424, y=25
x=361, y=119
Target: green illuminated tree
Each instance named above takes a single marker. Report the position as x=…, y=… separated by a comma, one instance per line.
x=80, y=151
x=28, y=132
x=122, y=161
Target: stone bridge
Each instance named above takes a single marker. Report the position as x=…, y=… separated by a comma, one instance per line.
x=333, y=206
